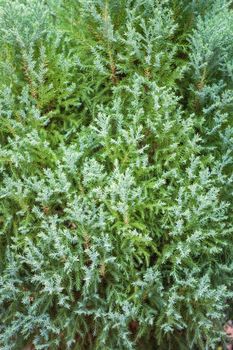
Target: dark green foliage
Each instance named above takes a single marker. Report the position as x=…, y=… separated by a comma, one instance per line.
x=116, y=173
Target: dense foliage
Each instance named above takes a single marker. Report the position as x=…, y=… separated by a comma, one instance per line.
x=116, y=173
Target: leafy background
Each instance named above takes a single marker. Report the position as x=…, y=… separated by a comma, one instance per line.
x=116, y=173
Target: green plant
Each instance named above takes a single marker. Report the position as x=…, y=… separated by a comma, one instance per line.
x=116, y=174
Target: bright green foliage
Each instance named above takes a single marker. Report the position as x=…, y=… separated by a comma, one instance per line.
x=116, y=173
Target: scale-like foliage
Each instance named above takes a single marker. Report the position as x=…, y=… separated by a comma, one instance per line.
x=116, y=173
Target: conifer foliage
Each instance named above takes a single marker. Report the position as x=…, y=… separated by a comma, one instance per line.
x=116, y=143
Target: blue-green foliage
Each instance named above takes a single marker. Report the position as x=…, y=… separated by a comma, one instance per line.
x=116, y=174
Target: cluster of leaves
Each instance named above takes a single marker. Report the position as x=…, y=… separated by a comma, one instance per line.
x=116, y=173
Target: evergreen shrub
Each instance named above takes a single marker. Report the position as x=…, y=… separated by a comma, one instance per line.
x=116, y=174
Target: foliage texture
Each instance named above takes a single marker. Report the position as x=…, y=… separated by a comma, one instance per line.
x=116, y=143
